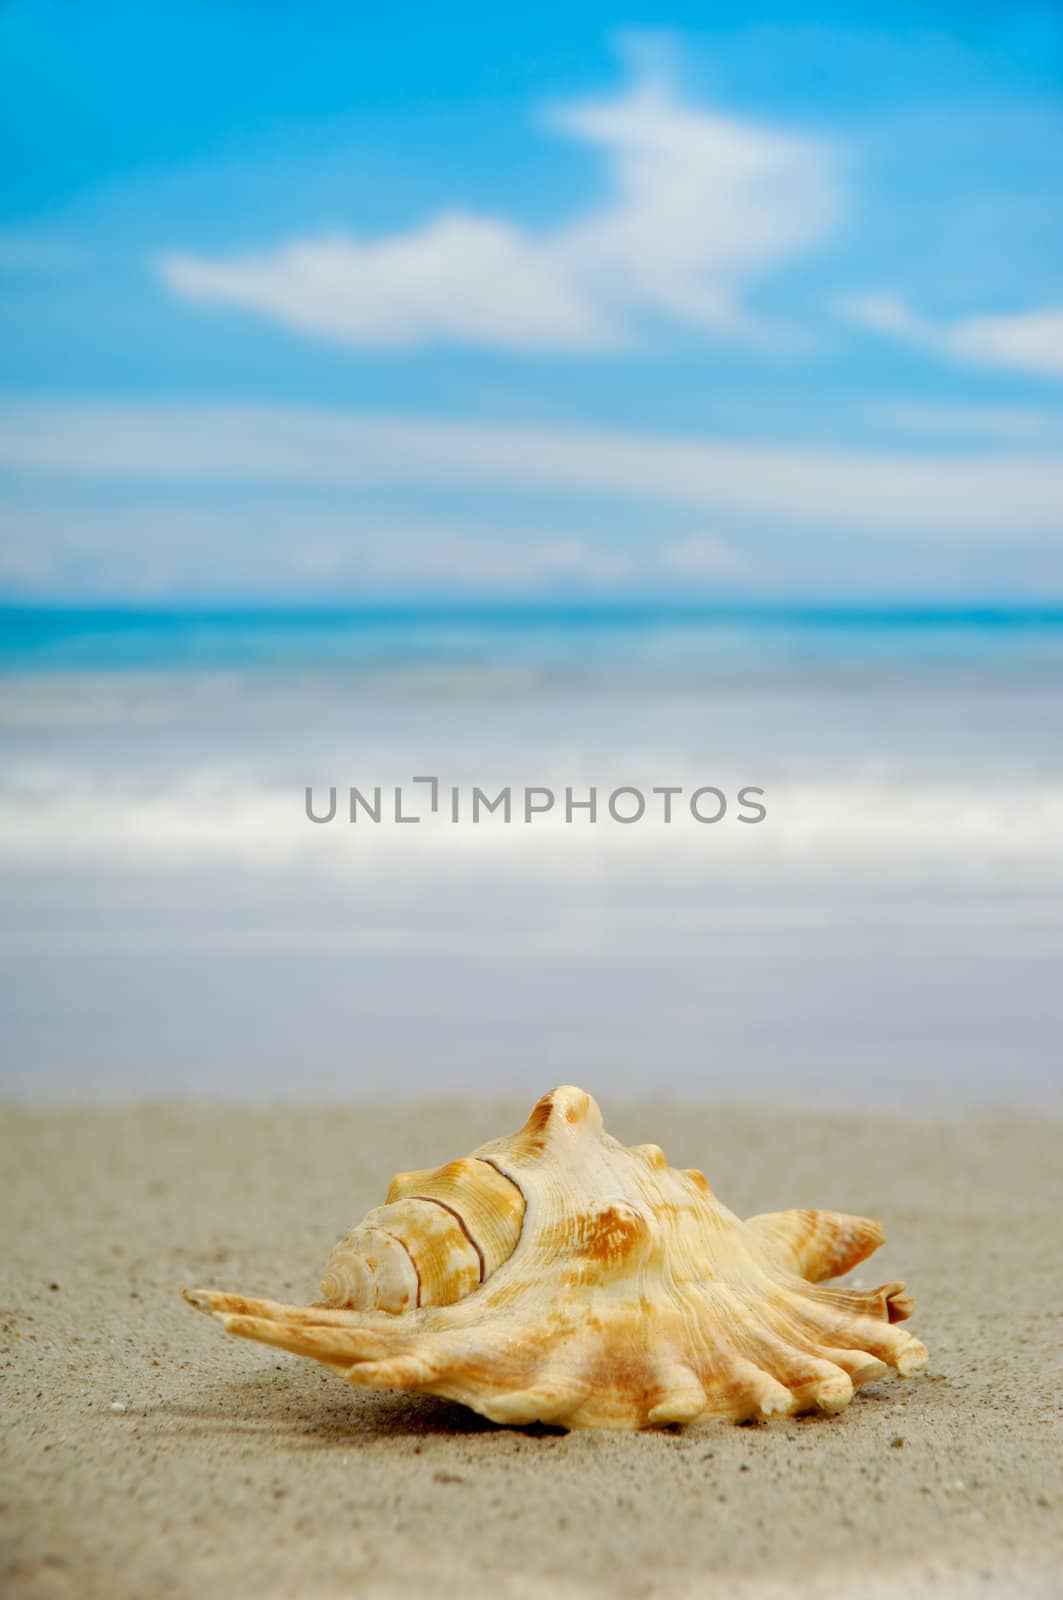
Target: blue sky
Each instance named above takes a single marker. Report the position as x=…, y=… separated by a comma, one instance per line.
x=301, y=304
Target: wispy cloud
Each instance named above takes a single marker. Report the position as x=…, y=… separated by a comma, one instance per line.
x=151, y=549
x=704, y=556
x=1002, y=424
x=964, y=494
x=1026, y=341
x=699, y=204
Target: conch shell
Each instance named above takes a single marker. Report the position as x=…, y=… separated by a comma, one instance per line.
x=557, y=1276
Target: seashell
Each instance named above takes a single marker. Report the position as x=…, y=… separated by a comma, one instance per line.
x=557, y=1276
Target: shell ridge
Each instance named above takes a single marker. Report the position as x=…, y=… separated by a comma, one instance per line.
x=866, y=1334
x=490, y=1161
x=410, y=1256
x=799, y=1342
x=438, y=1268
x=499, y=1277
x=433, y=1200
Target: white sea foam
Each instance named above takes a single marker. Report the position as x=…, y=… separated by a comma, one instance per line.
x=52, y=814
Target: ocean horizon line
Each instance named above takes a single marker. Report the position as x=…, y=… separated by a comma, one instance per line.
x=581, y=612
x=661, y=641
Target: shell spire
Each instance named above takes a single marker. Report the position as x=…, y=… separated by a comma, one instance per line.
x=437, y=1237
x=556, y=1276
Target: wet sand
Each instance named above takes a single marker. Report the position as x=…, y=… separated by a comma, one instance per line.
x=146, y=1454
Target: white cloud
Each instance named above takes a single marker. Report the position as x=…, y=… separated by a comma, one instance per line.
x=1031, y=341
x=703, y=556
x=796, y=489
x=149, y=549
x=441, y=558
x=1027, y=341
x=882, y=313
x=462, y=278
x=1007, y=423
x=699, y=204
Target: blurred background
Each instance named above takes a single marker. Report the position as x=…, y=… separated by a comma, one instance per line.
x=531, y=397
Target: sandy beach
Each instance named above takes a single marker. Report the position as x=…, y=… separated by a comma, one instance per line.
x=146, y=1454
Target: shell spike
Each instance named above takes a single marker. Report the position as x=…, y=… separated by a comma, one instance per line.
x=819, y=1244
x=566, y=1111
x=680, y=1396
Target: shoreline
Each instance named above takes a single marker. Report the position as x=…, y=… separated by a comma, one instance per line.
x=896, y=1108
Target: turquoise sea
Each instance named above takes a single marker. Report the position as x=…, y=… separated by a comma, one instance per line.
x=583, y=641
